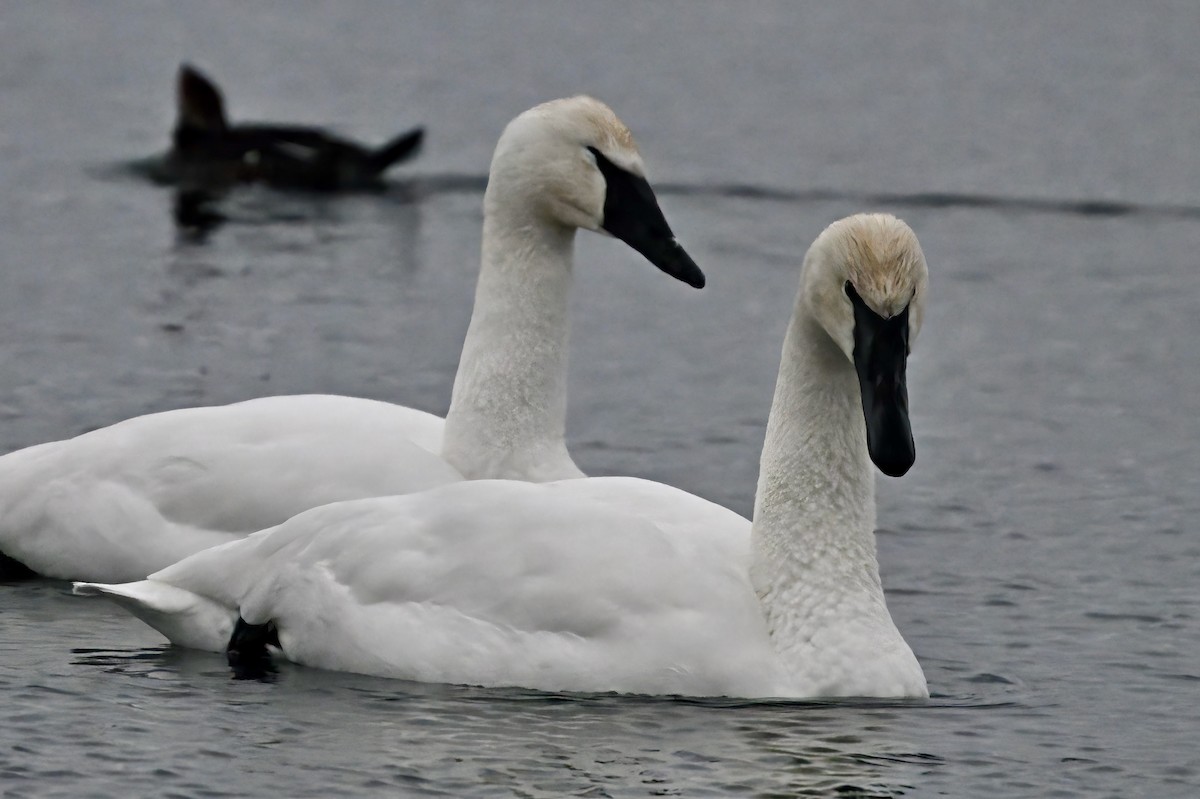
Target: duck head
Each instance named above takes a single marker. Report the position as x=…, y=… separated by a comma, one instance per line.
x=865, y=282
x=198, y=102
x=572, y=162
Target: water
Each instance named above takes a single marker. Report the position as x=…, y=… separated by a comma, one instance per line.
x=1038, y=558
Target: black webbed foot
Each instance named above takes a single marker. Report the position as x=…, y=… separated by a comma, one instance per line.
x=12, y=570
x=247, y=651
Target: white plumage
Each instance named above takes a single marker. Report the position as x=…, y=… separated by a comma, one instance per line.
x=599, y=584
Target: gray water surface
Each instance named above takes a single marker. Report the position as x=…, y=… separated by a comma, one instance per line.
x=1039, y=558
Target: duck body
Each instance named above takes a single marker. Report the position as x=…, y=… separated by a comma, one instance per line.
x=209, y=153
x=122, y=502
x=616, y=584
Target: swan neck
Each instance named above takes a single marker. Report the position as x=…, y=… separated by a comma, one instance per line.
x=816, y=480
x=507, y=415
x=813, y=561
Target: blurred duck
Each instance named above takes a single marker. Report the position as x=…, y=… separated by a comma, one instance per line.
x=207, y=152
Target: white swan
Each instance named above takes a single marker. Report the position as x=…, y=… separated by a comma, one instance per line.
x=118, y=503
x=619, y=584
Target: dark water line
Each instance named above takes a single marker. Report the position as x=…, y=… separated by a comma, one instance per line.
x=417, y=187
x=1075, y=207
x=453, y=183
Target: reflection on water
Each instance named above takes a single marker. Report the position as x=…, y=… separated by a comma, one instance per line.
x=199, y=211
x=569, y=742
x=195, y=213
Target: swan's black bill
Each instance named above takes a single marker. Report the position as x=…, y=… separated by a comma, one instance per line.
x=631, y=214
x=881, y=359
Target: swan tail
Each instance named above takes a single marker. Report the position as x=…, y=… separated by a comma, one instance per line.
x=187, y=619
x=403, y=147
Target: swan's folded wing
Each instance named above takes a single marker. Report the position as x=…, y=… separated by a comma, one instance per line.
x=571, y=585
x=592, y=584
x=122, y=501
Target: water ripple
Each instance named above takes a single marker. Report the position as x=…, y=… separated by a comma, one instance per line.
x=419, y=186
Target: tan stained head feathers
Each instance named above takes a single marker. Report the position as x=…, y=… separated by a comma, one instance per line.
x=594, y=121
x=881, y=257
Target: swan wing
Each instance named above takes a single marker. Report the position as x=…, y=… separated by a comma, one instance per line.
x=120, y=502
x=594, y=584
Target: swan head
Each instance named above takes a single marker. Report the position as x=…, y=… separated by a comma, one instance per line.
x=865, y=282
x=573, y=163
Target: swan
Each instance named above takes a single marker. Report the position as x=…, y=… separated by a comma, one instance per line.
x=118, y=503
x=615, y=583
